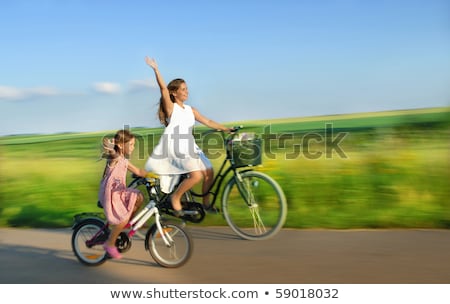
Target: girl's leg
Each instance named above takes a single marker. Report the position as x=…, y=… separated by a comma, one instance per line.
x=115, y=231
x=110, y=244
x=137, y=205
x=194, y=178
x=139, y=201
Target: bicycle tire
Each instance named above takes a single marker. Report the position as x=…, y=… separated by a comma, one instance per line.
x=84, y=231
x=175, y=255
x=254, y=208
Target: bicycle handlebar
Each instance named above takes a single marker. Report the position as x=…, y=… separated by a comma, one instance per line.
x=236, y=128
x=232, y=130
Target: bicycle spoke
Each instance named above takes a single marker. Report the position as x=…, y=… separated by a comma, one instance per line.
x=257, y=221
x=174, y=254
x=265, y=202
x=173, y=251
x=258, y=224
x=85, y=241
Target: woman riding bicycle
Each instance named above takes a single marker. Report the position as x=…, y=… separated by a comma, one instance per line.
x=177, y=153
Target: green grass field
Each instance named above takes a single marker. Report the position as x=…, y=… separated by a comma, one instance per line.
x=390, y=169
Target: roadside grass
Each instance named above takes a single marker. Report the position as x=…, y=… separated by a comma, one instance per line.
x=393, y=172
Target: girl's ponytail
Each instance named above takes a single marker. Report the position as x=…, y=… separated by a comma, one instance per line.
x=110, y=150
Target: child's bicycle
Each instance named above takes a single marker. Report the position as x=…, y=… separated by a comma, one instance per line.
x=169, y=244
x=253, y=204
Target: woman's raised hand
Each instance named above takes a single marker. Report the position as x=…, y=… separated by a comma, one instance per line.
x=151, y=62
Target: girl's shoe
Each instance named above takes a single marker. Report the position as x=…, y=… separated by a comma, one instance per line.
x=112, y=251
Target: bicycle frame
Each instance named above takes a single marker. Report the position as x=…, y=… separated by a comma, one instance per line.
x=139, y=220
x=218, y=180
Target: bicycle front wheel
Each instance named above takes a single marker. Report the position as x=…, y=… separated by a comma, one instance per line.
x=254, y=205
x=174, y=254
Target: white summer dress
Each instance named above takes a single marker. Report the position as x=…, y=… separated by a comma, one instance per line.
x=177, y=152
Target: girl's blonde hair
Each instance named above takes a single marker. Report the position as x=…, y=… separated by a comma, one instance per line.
x=111, y=148
x=173, y=86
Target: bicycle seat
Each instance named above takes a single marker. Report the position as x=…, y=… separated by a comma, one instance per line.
x=151, y=175
x=148, y=176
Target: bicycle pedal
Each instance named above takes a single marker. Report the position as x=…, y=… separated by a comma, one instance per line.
x=212, y=210
x=190, y=212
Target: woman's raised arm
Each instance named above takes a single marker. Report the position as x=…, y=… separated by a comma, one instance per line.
x=167, y=102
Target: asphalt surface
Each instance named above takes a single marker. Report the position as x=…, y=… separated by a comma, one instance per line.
x=44, y=256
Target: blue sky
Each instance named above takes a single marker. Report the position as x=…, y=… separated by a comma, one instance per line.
x=79, y=65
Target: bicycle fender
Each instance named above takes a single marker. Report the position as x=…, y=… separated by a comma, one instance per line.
x=147, y=235
x=92, y=219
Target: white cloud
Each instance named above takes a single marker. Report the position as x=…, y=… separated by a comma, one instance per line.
x=139, y=85
x=13, y=93
x=107, y=88
x=10, y=93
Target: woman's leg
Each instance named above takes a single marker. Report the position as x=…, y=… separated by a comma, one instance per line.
x=208, y=178
x=194, y=178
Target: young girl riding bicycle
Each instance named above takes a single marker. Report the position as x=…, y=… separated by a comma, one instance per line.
x=119, y=202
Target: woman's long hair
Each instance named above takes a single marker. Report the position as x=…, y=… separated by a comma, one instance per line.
x=173, y=86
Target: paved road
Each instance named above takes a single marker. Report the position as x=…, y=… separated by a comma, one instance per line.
x=294, y=256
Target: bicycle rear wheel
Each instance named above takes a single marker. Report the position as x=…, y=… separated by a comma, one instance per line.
x=254, y=207
x=177, y=253
x=87, y=242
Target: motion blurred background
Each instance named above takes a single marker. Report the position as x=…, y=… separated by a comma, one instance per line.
x=368, y=170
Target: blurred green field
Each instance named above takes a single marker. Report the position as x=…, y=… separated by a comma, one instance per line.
x=391, y=169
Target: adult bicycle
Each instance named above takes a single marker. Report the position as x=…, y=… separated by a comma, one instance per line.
x=169, y=244
x=253, y=203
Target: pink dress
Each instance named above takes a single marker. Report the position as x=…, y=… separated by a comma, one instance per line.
x=117, y=200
